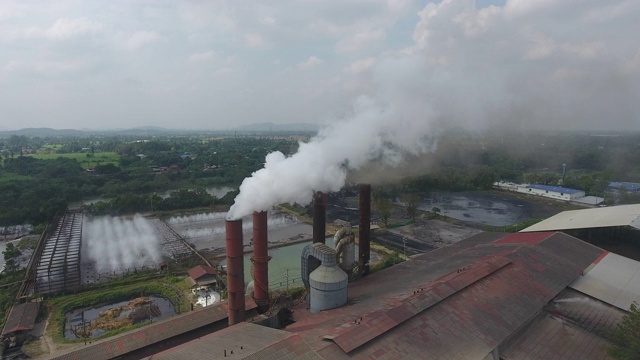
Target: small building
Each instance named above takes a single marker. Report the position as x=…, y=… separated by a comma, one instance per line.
x=616, y=186
x=203, y=275
x=21, y=320
x=553, y=192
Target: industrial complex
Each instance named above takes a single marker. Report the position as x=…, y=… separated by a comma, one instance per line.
x=539, y=294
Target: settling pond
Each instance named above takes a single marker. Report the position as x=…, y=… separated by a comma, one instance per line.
x=284, y=267
x=121, y=314
x=484, y=208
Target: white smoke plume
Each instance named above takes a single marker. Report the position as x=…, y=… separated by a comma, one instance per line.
x=273, y=222
x=527, y=65
x=202, y=217
x=115, y=243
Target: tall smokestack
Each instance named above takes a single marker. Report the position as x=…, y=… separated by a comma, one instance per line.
x=364, y=246
x=260, y=261
x=319, y=217
x=235, y=271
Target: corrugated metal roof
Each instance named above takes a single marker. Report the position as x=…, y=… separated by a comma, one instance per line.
x=201, y=270
x=22, y=317
x=626, y=185
x=468, y=323
x=573, y=325
x=242, y=341
x=622, y=215
x=614, y=280
x=459, y=302
x=373, y=325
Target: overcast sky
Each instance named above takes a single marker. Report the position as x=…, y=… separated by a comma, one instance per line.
x=220, y=64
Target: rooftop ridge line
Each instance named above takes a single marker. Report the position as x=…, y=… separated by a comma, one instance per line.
x=360, y=332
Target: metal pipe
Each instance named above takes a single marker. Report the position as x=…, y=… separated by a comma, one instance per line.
x=235, y=271
x=364, y=217
x=260, y=260
x=319, y=217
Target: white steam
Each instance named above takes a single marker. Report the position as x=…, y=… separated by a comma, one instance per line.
x=526, y=65
x=374, y=132
x=115, y=243
x=205, y=231
x=202, y=217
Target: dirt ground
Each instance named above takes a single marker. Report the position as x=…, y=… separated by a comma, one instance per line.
x=435, y=233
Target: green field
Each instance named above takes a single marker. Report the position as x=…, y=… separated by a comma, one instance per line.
x=103, y=158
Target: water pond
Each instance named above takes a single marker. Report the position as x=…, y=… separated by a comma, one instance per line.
x=95, y=321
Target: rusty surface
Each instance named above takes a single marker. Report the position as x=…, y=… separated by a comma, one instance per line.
x=319, y=217
x=235, y=271
x=468, y=317
x=364, y=217
x=260, y=259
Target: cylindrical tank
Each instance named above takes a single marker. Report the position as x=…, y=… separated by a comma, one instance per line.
x=327, y=283
x=328, y=288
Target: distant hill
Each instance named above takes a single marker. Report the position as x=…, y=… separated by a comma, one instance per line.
x=42, y=132
x=271, y=127
x=159, y=131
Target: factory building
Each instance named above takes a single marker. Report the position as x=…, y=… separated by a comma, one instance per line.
x=552, y=192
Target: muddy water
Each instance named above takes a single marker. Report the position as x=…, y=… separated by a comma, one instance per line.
x=74, y=319
x=484, y=208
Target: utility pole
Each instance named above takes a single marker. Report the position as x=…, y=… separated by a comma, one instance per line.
x=287, y=277
x=404, y=247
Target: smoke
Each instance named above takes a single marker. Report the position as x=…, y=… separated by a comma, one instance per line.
x=115, y=243
x=274, y=221
x=189, y=219
x=528, y=65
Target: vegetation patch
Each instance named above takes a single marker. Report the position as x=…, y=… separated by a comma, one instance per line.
x=85, y=159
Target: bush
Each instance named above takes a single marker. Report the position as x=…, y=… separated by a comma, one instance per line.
x=625, y=338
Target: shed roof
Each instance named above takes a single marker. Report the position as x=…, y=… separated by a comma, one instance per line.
x=573, y=325
x=243, y=341
x=201, y=270
x=614, y=280
x=622, y=215
x=22, y=317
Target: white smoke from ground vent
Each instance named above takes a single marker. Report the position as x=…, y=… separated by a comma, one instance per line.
x=527, y=65
x=116, y=244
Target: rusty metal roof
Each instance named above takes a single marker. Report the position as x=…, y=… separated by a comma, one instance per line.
x=457, y=302
x=22, y=317
x=201, y=270
x=473, y=316
x=243, y=341
x=573, y=326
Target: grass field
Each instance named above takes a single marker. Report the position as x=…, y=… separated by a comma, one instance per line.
x=103, y=157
